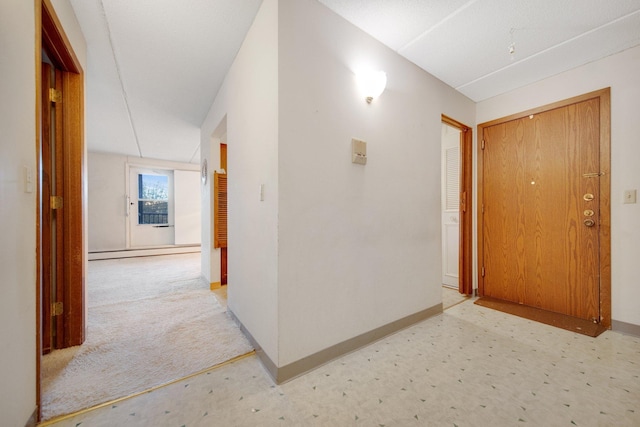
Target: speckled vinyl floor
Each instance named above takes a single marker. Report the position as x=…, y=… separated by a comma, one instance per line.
x=451, y=297
x=469, y=366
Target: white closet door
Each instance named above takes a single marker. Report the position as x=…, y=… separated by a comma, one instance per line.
x=450, y=205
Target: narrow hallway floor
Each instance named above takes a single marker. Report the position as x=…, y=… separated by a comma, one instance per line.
x=468, y=366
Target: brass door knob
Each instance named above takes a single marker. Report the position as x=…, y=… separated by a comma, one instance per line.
x=589, y=222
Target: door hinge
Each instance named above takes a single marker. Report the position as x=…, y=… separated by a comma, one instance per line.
x=57, y=308
x=56, y=202
x=482, y=271
x=482, y=147
x=55, y=95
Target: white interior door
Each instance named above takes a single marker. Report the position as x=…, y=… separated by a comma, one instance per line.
x=151, y=207
x=450, y=205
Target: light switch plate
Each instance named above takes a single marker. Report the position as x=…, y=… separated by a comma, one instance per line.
x=28, y=179
x=630, y=196
x=358, y=152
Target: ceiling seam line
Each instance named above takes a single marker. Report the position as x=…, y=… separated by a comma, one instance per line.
x=124, y=92
x=547, y=49
x=441, y=22
x=195, y=152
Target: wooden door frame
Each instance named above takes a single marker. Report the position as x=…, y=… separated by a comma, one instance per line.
x=50, y=35
x=604, y=96
x=465, y=275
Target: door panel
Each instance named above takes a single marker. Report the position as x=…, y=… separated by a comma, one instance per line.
x=537, y=249
x=450, y=205
x=61, y=321
x=504, y=216
x=45, y=209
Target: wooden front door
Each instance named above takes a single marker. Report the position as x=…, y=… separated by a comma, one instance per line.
x=541, y=216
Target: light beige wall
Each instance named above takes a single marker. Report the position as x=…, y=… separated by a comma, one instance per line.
x=107, y=220
x=17, y=207
x=247, y=104
x=620, y=72
x=358, y=246
x=17, y=212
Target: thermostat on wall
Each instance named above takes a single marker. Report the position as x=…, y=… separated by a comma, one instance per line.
x=358, y=151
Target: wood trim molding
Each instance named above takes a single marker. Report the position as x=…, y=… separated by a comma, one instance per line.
x=605, y=205
x=55, y=41
x=74, y=250
x=38, y=118
x=465, y=263
x=604, y=96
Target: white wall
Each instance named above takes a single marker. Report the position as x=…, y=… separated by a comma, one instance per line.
x=620, y=72
x=107, y=193
x=187, y=206
x=17, y=213
x=17, y=208
x=359, y=246
x=249, y=100
x=106, y=183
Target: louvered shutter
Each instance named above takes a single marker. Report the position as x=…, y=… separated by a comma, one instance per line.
x=452, y=178
x=220, y=210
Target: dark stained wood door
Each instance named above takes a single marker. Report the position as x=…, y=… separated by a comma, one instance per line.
x=540, y=195
x=223, y=251
x=45, y=209
x=52, y=208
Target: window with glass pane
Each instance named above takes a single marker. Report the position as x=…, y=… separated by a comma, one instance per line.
x=153, y=199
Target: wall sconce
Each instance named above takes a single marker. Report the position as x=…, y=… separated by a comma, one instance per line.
x=371, y=83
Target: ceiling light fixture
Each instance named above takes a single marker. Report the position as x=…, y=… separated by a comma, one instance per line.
x=371, y=83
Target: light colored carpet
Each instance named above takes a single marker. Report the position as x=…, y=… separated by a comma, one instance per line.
x=151, y=320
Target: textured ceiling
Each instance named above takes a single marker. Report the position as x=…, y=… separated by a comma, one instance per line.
x=466, y=43
x=155, y=66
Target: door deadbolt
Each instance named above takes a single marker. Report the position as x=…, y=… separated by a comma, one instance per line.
x=589, y=222
x=588, y=212
x=588, y=197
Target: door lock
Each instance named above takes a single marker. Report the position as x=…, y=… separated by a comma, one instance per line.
x=589, y=222
x=588, y=197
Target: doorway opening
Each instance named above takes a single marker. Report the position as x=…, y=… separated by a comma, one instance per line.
x=456, y=218
x=60, y=222
x=544, y=248
x=151, y=207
